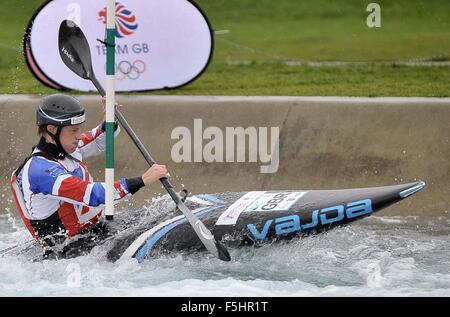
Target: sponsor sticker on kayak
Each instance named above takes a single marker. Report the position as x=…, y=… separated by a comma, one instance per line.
x=230, y=216
x=259, y=201
x=275, y=201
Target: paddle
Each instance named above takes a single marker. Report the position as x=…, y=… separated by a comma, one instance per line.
x=75, y=53
x=21, y=245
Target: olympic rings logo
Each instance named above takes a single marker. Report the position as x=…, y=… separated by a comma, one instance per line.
x=125, y=69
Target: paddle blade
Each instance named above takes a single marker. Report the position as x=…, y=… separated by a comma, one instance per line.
x=206, y=237
x=222, y=252
x=74, y=49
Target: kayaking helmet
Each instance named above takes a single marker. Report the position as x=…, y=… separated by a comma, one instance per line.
x=60, y=110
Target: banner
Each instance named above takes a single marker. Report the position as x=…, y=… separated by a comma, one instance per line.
x=160, y=44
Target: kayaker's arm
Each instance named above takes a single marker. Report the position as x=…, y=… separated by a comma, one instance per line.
x=93, y=141
x=50, y=178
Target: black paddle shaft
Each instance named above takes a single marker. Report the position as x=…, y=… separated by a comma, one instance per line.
x=123, y=122
x=208, y=240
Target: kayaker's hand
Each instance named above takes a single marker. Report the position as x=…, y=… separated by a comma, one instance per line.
x=118, y=107
x=154, y=173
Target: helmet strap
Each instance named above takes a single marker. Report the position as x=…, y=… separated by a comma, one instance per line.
x=56, y=137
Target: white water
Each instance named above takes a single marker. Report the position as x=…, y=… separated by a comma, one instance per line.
x=377, y=256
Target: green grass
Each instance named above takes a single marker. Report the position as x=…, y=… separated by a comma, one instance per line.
x=266, y=33
x=259, y=79
x=331, y=29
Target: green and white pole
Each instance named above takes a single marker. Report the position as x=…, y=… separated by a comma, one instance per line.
x=110, y=101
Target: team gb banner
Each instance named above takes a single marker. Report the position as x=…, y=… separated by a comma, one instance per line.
x=160, y=44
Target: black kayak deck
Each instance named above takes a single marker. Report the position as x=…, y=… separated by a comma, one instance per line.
x=248, y=218
x=237, y=219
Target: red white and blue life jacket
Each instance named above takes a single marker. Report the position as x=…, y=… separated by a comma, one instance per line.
x=58, y=195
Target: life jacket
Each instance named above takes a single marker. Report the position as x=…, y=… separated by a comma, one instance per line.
x=16, y=189
x=53, y=229
x=55, y=194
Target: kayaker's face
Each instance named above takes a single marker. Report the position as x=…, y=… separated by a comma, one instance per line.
x=70, y=137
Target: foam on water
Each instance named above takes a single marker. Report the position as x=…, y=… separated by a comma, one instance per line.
x=372, y=257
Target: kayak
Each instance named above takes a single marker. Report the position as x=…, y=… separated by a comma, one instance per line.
x=237, y=219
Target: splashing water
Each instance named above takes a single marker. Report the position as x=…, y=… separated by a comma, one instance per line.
x=377, y=256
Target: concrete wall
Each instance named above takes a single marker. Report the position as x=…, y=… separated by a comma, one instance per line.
x=325, y=143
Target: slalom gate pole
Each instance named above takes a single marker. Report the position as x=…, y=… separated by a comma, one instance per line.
x=110, y=101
